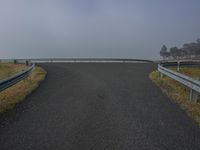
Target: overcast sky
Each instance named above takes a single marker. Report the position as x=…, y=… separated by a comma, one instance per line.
x=95, y=28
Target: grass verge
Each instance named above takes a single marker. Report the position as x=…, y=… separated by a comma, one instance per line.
x=8, y=69
x=178, y=92
x=191, y=72
x=17, y=93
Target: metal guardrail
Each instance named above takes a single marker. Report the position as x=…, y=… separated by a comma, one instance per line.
x=6, y=83
x=89, y=60
x=192, y=83
x=76, y=60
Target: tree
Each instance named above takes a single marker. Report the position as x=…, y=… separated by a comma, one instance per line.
x=198, y=41
x=198, y=47
x=194, y=49
x=182, y=53
x=163, y=52
x=175, y=52
x=186, y=49
x=190, y=50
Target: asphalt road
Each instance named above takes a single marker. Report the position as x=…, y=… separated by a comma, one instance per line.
x=98, y=107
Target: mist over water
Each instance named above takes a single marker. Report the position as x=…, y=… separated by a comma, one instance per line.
x=94, y=28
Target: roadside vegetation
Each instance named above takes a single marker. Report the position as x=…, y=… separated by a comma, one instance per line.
x=17, y=93
x=178, y=92
x=191, y=72
x=7, y=70
x=187, y=51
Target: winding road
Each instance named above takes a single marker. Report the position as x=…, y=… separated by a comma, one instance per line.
x=98, y=106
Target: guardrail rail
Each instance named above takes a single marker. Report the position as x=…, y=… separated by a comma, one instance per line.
x=75, y=60
x=192, y=83
x=8, y=82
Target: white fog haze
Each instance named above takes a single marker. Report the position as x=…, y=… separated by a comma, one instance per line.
x=95, y=28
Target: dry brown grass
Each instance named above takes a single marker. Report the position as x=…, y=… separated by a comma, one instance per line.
x=8, y=69
x=17, y=93
x=191, y=72
x=179, y=92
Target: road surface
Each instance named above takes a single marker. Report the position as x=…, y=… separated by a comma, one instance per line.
x=98, y=107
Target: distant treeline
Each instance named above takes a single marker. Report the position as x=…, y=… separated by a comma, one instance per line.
x=188, y=50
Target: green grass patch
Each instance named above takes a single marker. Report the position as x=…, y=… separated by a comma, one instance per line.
x=178, y=92
x=17, y=93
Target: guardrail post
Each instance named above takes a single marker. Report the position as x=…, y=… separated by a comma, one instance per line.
x=193, y=95
x=178, y=66
x=27, y=63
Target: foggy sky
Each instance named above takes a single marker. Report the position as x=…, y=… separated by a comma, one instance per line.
x=95, y=28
